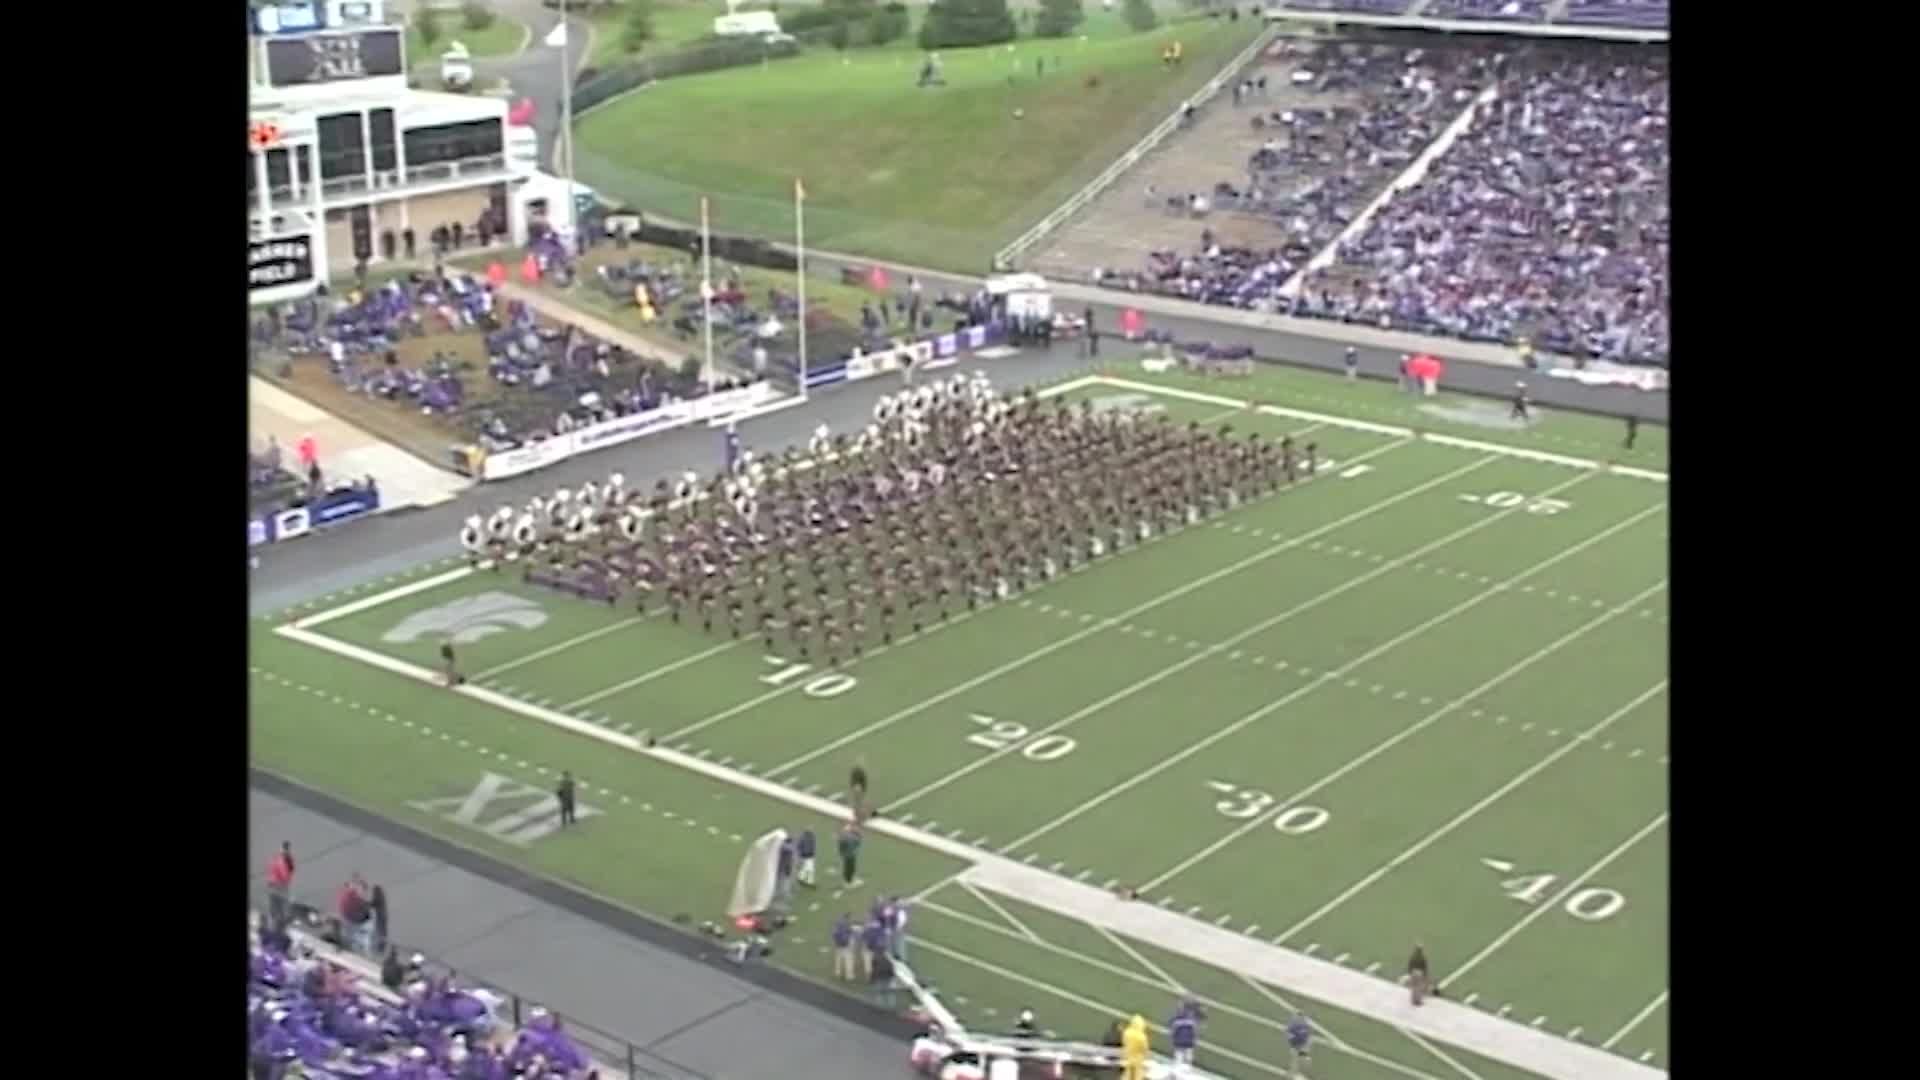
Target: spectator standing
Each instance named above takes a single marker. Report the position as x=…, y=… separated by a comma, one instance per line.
x=1353, y=363
x=850, y=854
x=1417, y=973
x=873, y=940
x=564, y=793
x=804, y=848
x=452, y=666
x=1406, y=377
x=392, y=972
x=843, y=947
x=280, y=885
x=351, y=906
x=897, y=928
x=378, y=902
x=783, y=872
x=1633, y=430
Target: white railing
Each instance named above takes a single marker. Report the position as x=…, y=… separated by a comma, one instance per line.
x=1003, y=259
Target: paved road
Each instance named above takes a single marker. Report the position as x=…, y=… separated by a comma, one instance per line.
x=691, y=1014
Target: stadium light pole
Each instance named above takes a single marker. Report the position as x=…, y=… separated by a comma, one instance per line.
x=566, y=116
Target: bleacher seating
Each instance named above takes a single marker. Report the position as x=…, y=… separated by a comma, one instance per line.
x=1369, y=7
x=1546, y=221
x=1638, y=14
x=309, y=1015
x=551, y=379
x=1487, y=10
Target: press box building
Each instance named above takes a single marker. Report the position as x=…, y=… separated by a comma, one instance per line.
x=343, y=157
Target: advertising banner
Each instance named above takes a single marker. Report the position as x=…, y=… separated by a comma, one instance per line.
x=285, y=261
x=525, y=459
x=946, y=345
x=342, y=506
x=624, y=428
x=259, y=531
x=288, y=524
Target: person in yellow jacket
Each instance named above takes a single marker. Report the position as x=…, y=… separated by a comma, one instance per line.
x=1133, y=1047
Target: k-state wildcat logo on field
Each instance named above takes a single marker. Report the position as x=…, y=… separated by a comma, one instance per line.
x=469, y=619
x=1129, y=403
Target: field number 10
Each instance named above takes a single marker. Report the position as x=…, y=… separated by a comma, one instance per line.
x=832, y=684
x=1005, y=734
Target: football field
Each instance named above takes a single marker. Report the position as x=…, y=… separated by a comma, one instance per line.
x=1420, y=697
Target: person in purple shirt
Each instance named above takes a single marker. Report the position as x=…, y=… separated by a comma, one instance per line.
x=843, y=947
x=874, y=937
x=1184, y=1029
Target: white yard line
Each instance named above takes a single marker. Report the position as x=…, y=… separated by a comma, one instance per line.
x=651, y=675
x=1333, y=1041
x=1322, y=680
x=1558, y=898
x=1217, y=648
x=1025, y=930
x=1129, y=614
x=542, y=654
x=1394, y=430
x=1411, y=730
x=1151, y=968
x=1441, y=1054
x=1638, y=1017
x=1472, y=811
x=374, y=601
x=1085, y=1002
x=1484, y=1034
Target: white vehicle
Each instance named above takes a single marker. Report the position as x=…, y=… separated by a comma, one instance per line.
x=1025, y=295
x=456, y=68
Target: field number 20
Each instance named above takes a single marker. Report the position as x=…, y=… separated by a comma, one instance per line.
x=1588, y=905
x=1243, y=804
x=1005, y=734
x=1507, y=500
x=832, y=684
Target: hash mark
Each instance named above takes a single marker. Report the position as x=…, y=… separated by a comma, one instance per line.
x=703, y=753
x=1314, y=948
x=1342, y=958
x=1029, y=859
x=1648, y=1056
x=1110, y=883
x=1055, y=868
x=1399, y=694
x=1192, y=911
x=1635, y=752
x=1575, y=1033
x=906, y=818
x=812, y=788
x=1528, y=726
x=932, y=826
x=726, y=761
x=711, y=831
x=1470, y=999
x=1223, y=920
x=1373, y=967
x=1252, y=929
x=1375, y=688
x=1505, y=1009
x=1083, y=875
x=953, y=834
x=1539, y=1020
x=1166, y=901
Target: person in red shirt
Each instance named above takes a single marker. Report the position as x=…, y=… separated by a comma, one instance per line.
x=280, y=885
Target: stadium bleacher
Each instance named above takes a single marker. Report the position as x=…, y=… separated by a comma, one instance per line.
x=549, y=379
x=1546, y=221
x=1370, y=7
x=311, y=1015
x=1639, y=14
x=1487, y=10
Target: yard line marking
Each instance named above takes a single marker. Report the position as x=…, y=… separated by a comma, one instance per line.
x=1439, y=1053
x=651, y=675
x=1252, y=930
x=1391, y=643
x=1125, y=616
x=1528, y=919
x=1575, y=1033
x=1635, y=1022
x=1405, y=733
x=1471, y=812
x=1257, y=628
x=1025, y=930
x=541, y=654
x=1332, y=1041
x=1159, y=974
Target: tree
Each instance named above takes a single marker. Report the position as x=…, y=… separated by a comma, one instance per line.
x=427, y=25
x=959, y=23
x=1140, y=15
x=638, y=29
x=1058, y=18
x=475, y=15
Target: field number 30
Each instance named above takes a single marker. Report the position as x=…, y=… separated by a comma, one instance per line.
x=1243, y=804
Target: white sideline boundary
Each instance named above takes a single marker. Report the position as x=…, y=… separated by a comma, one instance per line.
x=1372, y=428
x=1506, y=1041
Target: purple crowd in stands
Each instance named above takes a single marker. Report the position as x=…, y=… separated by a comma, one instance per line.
x=1637, y=14
x=561, y=378
x=1546, y=221
x=309, y=1018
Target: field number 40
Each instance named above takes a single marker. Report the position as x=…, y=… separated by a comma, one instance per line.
x=1589, y=905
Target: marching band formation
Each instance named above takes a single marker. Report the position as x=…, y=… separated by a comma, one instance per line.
x=954, y=494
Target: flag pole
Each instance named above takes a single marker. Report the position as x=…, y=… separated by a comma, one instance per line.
x=566, y=116
x=706, y=286
x=800, y=245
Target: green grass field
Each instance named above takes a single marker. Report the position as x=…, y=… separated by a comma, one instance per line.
x=874, y=151
x=1420, y=697
x=502, y=36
